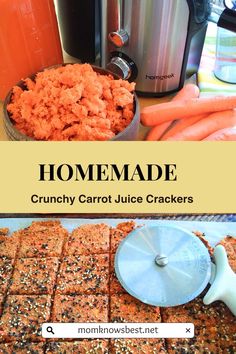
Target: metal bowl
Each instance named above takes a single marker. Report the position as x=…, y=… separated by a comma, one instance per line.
x=130, y=133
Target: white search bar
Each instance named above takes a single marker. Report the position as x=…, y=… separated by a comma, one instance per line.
x=118, y=330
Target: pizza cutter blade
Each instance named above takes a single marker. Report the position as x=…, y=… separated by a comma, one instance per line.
x=168, y=266
x=163, y=265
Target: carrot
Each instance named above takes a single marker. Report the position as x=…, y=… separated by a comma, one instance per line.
x=165, y=112
x=188, y=91
x=206, y=126
x=181, y=125
x=227, y=134
x=156, y=132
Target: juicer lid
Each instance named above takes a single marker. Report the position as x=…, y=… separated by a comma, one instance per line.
x=163, y=265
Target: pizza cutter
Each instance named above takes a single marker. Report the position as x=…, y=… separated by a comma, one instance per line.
x=169, y=266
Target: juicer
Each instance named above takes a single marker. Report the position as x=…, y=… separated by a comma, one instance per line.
x=156, y=43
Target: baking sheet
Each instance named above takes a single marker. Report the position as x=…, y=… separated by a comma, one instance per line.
x=214, y=231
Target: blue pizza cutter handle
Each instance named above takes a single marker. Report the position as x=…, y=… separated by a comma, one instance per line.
x=223, y=286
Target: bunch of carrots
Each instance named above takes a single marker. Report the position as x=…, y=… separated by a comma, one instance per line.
x=190, y=118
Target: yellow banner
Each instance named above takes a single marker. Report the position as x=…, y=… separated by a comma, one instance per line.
x=122, y=177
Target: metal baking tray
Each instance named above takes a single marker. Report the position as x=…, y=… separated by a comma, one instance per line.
x=214, y=231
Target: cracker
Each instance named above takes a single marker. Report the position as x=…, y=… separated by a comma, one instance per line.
x=42, y=239
x=41, y=244
x=226, y=328
x=34, y=276
x=119, y=233
x=44, y=225
x=115, y=286
x=202, y=237
x=204, y=318
x=23, y=316
x=6, y=348
x=125, y=308
x=84, y=275
x=88, y=239
x=4, y=231
x=126, y=226
x=1, y=303
x=82, y=295
x=8, y=245
x=138, y=346
x=229, y=243
x=6, y=268
x=28, y=348
x=80, y=308
x=81, y=347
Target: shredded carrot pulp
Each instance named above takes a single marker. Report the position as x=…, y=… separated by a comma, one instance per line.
x=72, y=102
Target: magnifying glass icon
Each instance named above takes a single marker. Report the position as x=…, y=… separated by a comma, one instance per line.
x=50, y=330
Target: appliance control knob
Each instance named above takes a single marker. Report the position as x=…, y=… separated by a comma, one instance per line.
x=120, y=67
x=119, y=38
